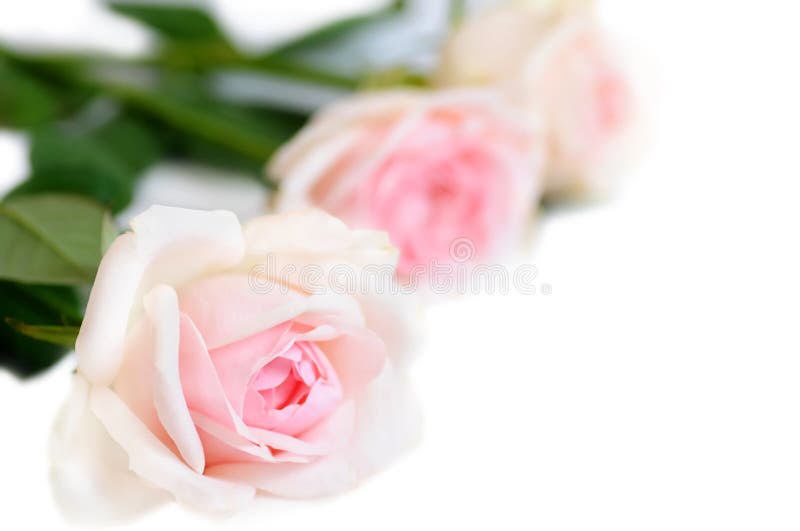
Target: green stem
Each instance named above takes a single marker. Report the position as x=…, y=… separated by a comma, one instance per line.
x=269, y=65
x=177, y=114
x=293, y=70
x=185, y=117
x=329, y=32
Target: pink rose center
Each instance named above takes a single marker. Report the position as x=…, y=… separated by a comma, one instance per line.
x=293, y=391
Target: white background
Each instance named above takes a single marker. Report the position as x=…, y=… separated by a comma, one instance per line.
x=657, y=387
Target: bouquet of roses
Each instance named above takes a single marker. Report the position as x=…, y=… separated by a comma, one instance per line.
x=202, y=373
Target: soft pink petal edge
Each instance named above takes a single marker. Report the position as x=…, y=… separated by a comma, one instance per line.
x=89, y=473
x=218, y=236
x=161, y=305
x=155, y=463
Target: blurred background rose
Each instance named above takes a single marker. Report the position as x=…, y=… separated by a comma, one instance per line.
x=553, y=61
x=428, y=167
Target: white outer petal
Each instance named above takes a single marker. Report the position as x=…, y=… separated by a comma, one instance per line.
x=154, y=462
x=388, y=425
x=312, y=236
x=161, y=305
x=132, y=263
x=397, y=319
x=91, y=481
x=287, y=246
x=99, y=346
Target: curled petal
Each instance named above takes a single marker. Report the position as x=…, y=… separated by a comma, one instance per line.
x=312, y=237
x=153, y=461
x=89, y=471
x=168, y=245
x=99, y=345
x=161, y=305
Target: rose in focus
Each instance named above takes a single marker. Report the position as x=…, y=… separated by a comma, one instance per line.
x=429, y=168
x=191, y=383
x=549, y=59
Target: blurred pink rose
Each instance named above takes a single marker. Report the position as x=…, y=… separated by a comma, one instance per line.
x=551, y=61
x=430, y=168
x=210, y=389
x=585, y=101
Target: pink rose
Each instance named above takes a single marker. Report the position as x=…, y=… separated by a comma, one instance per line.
x=585, y=101
x=430, y=168
x=554, y=64
x=195, y=381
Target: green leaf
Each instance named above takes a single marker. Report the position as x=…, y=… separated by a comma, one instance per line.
x=101, y=164
x=34, y=305
x=198, y=149
x=290, y=59
x=193, y=113
x=108, y=233
x=457, y=12
x=172, y=21
x=31, y=96
x=296, y=69
x=131, y=140
x=51, y=239
x=394, y=78
x=63, y=303
x=24, y=100
x=69, y=163
x=108, y=192
x=57, y=335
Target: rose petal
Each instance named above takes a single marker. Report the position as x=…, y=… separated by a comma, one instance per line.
x=324, y=476
x=204, y=392
x=99, y=345
x=157, y=251
x=226, y=309
x=229, y=444
x=312, y=237
x=396, y=319
x=90, y=477
x=387, y=424
x=225, y=436
x=155, y=463
x=356, y=353
x=308, y=170
x=357, y=356
x=161, y=305
x=237, y=363
x=335, y=119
